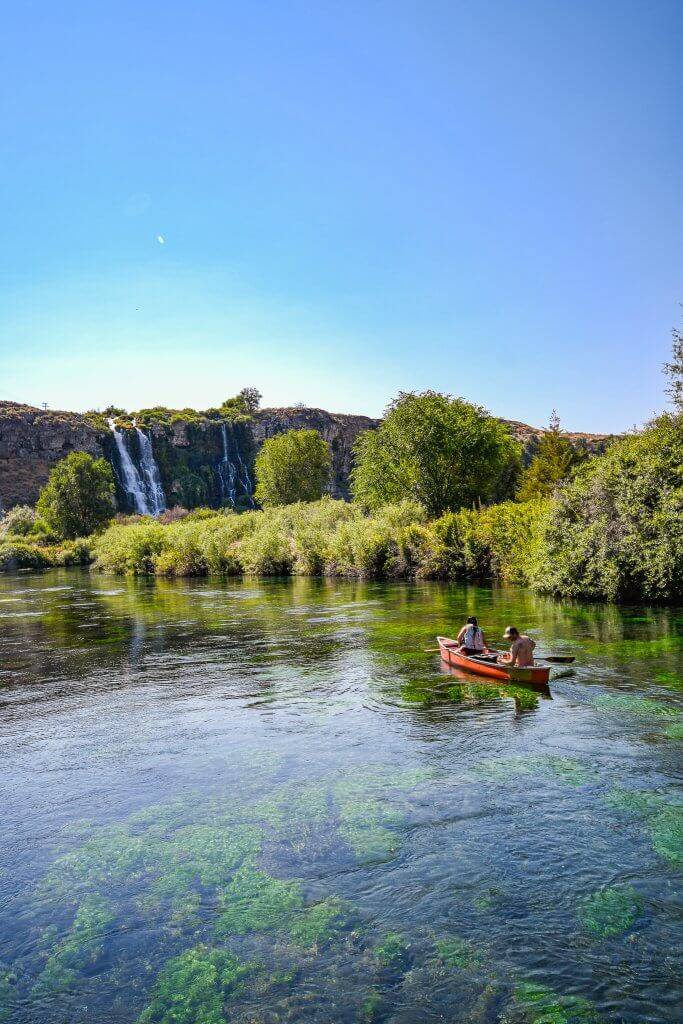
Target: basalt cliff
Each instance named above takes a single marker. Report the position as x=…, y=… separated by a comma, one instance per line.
x=182, y=458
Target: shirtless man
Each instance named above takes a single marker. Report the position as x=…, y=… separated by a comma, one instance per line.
x=521, y=649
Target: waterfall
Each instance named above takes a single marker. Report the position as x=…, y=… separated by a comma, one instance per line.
x=152, y=478
x=132, y=481
x=233, y=472
x=226, y=471
x=143, y=486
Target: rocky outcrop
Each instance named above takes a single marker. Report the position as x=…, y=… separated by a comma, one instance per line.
x=32, y=441
x=188, y=449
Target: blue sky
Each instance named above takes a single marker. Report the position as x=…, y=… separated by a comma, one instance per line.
x=336, y=201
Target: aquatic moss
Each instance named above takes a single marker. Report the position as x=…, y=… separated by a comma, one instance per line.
x=609, y=912
x=636, y=802
x=671, y=679
x=112, y=855
x=8, y=980
x=193, y=988
x=295, y=811
x=491, y=897
x=372, y=1008
x=454, y=951
x=255, y=901
x=674, y=731
x=666, y=831
x=629, y=704
x=392, y=950
x=319, y=924
x=538, y=1004
x=81, y=947
x=366, y=825
x=565, y=769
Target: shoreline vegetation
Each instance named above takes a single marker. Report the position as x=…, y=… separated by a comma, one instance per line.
x=607, y=527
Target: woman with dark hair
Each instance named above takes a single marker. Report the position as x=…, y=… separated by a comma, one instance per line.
x=471, y=637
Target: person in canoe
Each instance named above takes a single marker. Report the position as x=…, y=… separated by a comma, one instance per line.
x=521, y=649
x=471, y=637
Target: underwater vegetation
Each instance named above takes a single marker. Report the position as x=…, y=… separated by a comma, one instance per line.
x=610, y=911
x=537, y=1004
x=193, y=988
x=367, y=819
x=7, y=983
x=663, y=820
x=674, y=731
x=565, y=769
x=456, y=952
x=629, y=704
x=392, y=950
x=82, y=946
x=254, y=901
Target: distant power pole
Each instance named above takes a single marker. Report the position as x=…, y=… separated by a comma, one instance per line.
x=44, y=405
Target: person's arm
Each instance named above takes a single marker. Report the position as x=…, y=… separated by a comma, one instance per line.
x=514, y=649
x=461, y=634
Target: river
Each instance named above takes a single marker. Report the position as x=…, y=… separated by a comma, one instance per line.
x=263, y=801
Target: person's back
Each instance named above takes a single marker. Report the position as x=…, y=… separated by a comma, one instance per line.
x=471, y=637
x=521, y=649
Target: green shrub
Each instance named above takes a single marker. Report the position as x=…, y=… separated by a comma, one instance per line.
x=15, y=556
x=131, y=550
x=18, y=522
x=78, y=498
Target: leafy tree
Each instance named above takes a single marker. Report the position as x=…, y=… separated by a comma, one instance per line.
x=246, y=403
x=292, y=467
x=615, y=530
x=20, y=521
x=674, y=371
x=442, y=452
x=78, y=497
x=555, y=459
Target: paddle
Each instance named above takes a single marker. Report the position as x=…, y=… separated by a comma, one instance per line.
x=555, y=659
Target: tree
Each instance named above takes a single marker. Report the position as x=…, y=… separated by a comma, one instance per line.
x=674, y=371
x=614, y=530
x=292, y=467
x=555, y=459
x=78, y=498
x=442, y=452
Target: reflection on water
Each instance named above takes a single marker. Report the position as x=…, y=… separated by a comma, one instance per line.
x=265, y=802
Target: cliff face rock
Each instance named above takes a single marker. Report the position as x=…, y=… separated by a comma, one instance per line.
x=200, y=460
x=32, y=441
x=338, y=429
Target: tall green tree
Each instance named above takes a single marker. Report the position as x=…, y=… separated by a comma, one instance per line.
x=555, y=459
x=442, y=452
x=78, y=498
x=290, y=467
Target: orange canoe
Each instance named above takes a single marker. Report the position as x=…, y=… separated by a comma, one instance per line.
x=537, y=675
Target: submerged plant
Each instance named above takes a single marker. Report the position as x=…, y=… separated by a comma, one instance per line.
x=193, y=988
x=319, y=924
x=666, y=831
x=8, y=980
x=255, y=901
x=454, y=951
x=537, y=1004
x=609, y=912
x=81, y=947
x=630, y=704
x=392, y=950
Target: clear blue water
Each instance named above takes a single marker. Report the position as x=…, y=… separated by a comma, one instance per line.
x=263, y=801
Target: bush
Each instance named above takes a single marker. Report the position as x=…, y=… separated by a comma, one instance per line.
x=78, y=498
x=18, y=522
x=615, y=530
x=15, y=556
x=131, y=550
x=292, y=467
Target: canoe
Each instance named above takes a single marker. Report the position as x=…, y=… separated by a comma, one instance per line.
x=536, y=675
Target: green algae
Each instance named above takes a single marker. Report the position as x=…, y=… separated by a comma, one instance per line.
x=666, y=832
x=320, y=924
x=373, y=1007
x=491, y=897
x=674, y=731
x=670, y=679
x=367, y=818
x=565, y=769
x=629, y=704
x=609, y=912
x=8, y=980
x=195, y=987
x=255, y=901
x=538, y=1004
x=392, y=950
x=81, y=947
x=629, y=649
x=295, y=811
x=455, y=952
x=663, y=819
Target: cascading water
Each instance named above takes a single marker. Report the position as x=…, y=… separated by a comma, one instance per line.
x=151, y=476
x=131, y=480
x=232, y=471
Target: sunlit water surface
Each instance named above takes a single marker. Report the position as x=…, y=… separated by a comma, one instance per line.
x=264, y=801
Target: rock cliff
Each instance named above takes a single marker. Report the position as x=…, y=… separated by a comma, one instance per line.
x=201, y=459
